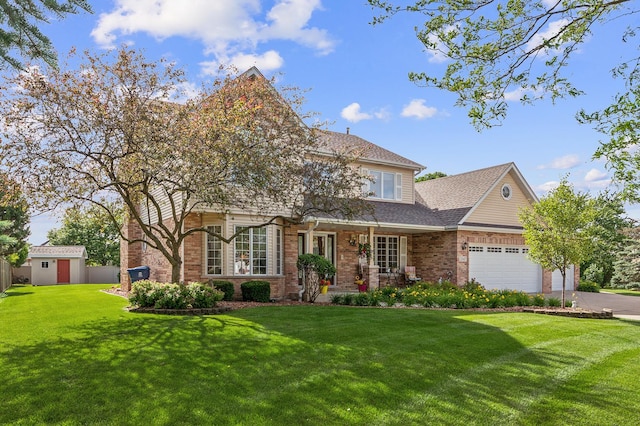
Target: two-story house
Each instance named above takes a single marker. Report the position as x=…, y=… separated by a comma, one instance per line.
x=453, y=228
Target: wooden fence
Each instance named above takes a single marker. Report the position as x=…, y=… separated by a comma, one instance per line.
x=5, y=275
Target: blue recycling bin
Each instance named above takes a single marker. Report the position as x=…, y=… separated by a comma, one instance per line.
x=139, y=273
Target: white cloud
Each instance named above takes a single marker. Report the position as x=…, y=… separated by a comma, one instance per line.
x=353, y=114
x=563, y=163
x=517, y=94
x=595, y=175
x=552, y=30
x=438, y=54
x=546, y=187
x=227, y=29
x=417, y=109
x=268, y=61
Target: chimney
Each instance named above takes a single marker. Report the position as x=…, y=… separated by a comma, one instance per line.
x=347, y=130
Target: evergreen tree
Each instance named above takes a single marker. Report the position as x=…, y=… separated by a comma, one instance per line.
x=14, y=210
x=626, y=269
x=19, y=30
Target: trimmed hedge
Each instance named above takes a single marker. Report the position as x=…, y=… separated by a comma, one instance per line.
x=256, y=291
x=224, y=286
x=151, y=294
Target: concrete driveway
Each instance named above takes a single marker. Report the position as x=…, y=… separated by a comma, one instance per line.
x=626, y=307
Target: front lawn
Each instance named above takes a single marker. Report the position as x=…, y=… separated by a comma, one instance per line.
x=73, y=355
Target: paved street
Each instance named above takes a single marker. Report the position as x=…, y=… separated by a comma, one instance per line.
x=622, y=306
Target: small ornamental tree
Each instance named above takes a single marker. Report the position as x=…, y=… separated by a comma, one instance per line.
x=314, y=268
x=560, y=229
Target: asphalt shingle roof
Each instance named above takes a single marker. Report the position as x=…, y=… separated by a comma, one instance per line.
x=57, y=251
x=334, y=141
x=452, y=197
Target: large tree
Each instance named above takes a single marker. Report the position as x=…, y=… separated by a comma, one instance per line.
x=627, y=264
x=495, y=50
x=560, y=229
x=14, y=209
x=91, y=227
x=112, y=130
x=609, y=236
x=19, y=21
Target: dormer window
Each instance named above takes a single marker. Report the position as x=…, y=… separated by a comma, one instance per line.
x=384, y=185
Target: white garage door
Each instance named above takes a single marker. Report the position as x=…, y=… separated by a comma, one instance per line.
x=556, y=280
x=504, y=267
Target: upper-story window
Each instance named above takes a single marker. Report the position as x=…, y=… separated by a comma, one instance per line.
x=384, y=185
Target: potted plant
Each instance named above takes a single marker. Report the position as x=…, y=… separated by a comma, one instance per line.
x=362, y=284
x=324, y=286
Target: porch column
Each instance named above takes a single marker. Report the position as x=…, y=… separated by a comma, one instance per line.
x=371, y=262
x=372, y=277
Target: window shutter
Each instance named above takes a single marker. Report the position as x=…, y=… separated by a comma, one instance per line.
x=403, y=253
x=398, y=186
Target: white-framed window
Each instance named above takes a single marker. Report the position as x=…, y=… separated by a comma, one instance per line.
x=387, y=252
x=44, y=265
x=512, y=250
x=525, y=250
x=478, y=249
x=384, y=185
x=214, y=251
x=506, y=191
x=250, y=251
x=494, y=249
x=278, y=251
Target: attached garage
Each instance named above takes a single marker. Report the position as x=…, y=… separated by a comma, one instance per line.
x=504, y=267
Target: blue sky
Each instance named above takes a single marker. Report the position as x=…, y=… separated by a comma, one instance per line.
x=356, y=74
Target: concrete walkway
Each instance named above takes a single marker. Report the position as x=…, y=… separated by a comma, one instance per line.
x=624, y=307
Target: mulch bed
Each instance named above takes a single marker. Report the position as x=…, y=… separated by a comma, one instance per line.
x=224, y=306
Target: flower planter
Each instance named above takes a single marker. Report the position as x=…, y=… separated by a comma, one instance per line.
x=362, y=288
x=324, y=289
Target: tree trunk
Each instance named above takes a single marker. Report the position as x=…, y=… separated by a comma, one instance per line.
x=564, y=281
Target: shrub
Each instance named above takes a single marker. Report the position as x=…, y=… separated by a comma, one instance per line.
x=473, y=286
x=225, y=286
x=361, y=299
x=589, y=286
x=554, y=302
x=150, y=294
x=256, y=291
x=538, y=300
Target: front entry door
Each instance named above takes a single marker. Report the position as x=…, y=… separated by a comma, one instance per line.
x=64, y=271
x=323, y=245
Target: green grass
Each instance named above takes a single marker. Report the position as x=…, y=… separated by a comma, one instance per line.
x=71, y=355
x=621, y=291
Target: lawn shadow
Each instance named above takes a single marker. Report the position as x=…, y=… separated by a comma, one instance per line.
x=280, y=364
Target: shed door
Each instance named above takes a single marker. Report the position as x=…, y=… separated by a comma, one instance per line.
x=503, y=267
x=64, y=271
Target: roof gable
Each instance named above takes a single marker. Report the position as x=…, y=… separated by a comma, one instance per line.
x=456, y=197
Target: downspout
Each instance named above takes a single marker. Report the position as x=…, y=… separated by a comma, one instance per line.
x=309, y=231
